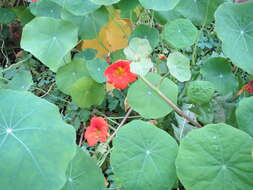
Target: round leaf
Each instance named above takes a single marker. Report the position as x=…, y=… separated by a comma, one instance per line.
x=77, y=7
x=217, y=152
x=86, y=92
x=34, y=142
x=180, y=33
x=46, y=8
x=104, y=2
x=6, y=15
x=159, y=5
x=163, y=17
x=22, y=80
x=83, y=173
x=179, y=66
x=200, y=92
x=90, y=24
x=147, y=102
x=141, y=67
x=49, y=40
x=244, y=115
x=234, y=27
x=67, y=75
x=143, y=157
x=218, y=71
x=138, y=49
x=146, y=32
x=96, y=68
x=200, y=12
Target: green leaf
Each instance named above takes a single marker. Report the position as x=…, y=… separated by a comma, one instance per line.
x=104, y=2
x=159, y=5
x=34, y=142
x=138, y=53
x=83, y=173
x=96, y=68
x=200, y=92
x=87, y=54
x=67, y=75
x=163, y=17
x=127, y=8
x=23, y=14
x=77, y=7
x=45, y=8
x=217, y=70
x=244, y=115
x=49, y=44
x=138, y=49
x=217, y=152
x=200, y=12
x=22, y=80
x=90, y=24
x=143, y=157
x=6, y=15
x=180, y=33
x=179, y=66
x=147, y=102
x=234, y=27
x=86, y=92
x=146, y=32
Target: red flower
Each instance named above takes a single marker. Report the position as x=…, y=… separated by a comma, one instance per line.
x=248, y=87
x=162, y=57
x=119, y=75
x=96, y=131
x=34, y=0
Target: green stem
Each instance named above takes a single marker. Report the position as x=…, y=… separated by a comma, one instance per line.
x=169, y=101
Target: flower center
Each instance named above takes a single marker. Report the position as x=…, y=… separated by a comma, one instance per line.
x=97, y=133
x=120, y=71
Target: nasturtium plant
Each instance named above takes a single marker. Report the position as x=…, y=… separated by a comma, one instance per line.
x=77, y=7
x=141, y=97
x=104, y=2
x=6, y=16
x=201, y=12
x=144, y=94
x=234, y=28
x=218, y=71
x=146, y=32
x=180, y=33
x=86, y=92
x=143, y=157
x=68, y=74
x=244, y=115
x=90, y=24
x=22, y=80
x=88, y=176
x=179, y=66
x=159, y=5
x=200, y=92
x=219, y=154
x=35, y=142
x=138, y=51
x=49, y=44
x=46, y=8
x=96, y=69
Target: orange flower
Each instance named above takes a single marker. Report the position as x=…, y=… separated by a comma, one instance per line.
x=96, y=131
x=119, y=75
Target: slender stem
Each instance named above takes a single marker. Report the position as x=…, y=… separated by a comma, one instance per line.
x=120, y=125
x=168, y=101
x=114, y=133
